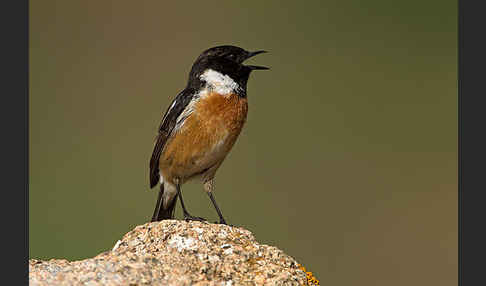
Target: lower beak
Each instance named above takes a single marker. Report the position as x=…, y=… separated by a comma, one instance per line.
x=258, y=68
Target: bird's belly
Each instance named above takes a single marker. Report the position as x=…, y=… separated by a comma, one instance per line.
x=205, y=138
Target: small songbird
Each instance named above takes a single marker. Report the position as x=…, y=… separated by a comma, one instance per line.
x=200, y=127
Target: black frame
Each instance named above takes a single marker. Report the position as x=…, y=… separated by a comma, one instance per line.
x=471, y=155
x=15, y=139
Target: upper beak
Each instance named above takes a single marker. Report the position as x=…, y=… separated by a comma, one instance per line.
x=252, y=54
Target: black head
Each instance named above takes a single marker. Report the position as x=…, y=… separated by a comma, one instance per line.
x=228, y=52
x=226, y=60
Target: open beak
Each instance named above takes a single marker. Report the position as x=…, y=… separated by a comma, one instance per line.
x=252, y=54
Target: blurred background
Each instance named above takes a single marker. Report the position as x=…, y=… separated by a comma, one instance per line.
x=348, y=159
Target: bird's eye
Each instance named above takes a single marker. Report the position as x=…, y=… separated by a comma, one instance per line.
x=231, y=56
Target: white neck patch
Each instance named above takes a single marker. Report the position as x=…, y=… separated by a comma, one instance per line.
x=219, y=82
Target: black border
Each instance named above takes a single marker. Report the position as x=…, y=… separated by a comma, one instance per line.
x=14, y=23
x=460, y=49
x=472, y=142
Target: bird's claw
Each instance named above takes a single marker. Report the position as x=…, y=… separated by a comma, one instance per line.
x=188, y=217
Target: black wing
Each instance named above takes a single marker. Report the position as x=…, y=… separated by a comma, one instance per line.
x=166, y=126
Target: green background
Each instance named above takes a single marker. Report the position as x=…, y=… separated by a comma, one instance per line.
x=348, y=160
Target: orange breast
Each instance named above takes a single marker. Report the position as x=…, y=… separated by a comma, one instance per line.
x=206, y=136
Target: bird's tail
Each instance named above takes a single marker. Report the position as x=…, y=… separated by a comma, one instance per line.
x=160, y=212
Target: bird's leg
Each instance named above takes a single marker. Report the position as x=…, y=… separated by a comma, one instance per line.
x=187, y=216
x=157, y=204
x=208, y=187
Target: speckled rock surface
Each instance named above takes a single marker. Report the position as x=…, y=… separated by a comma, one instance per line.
x=174, y=252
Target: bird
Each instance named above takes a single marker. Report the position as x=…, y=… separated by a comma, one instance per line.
x=200, y=127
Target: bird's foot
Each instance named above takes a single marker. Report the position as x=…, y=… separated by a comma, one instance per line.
x=222, y=221
x=188, y=217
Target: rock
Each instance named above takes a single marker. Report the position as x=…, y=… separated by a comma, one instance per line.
x=173, y=252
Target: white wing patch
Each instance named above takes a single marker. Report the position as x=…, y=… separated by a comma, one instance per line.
x=172, y=105
x=189, y=109
x=219, y=82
